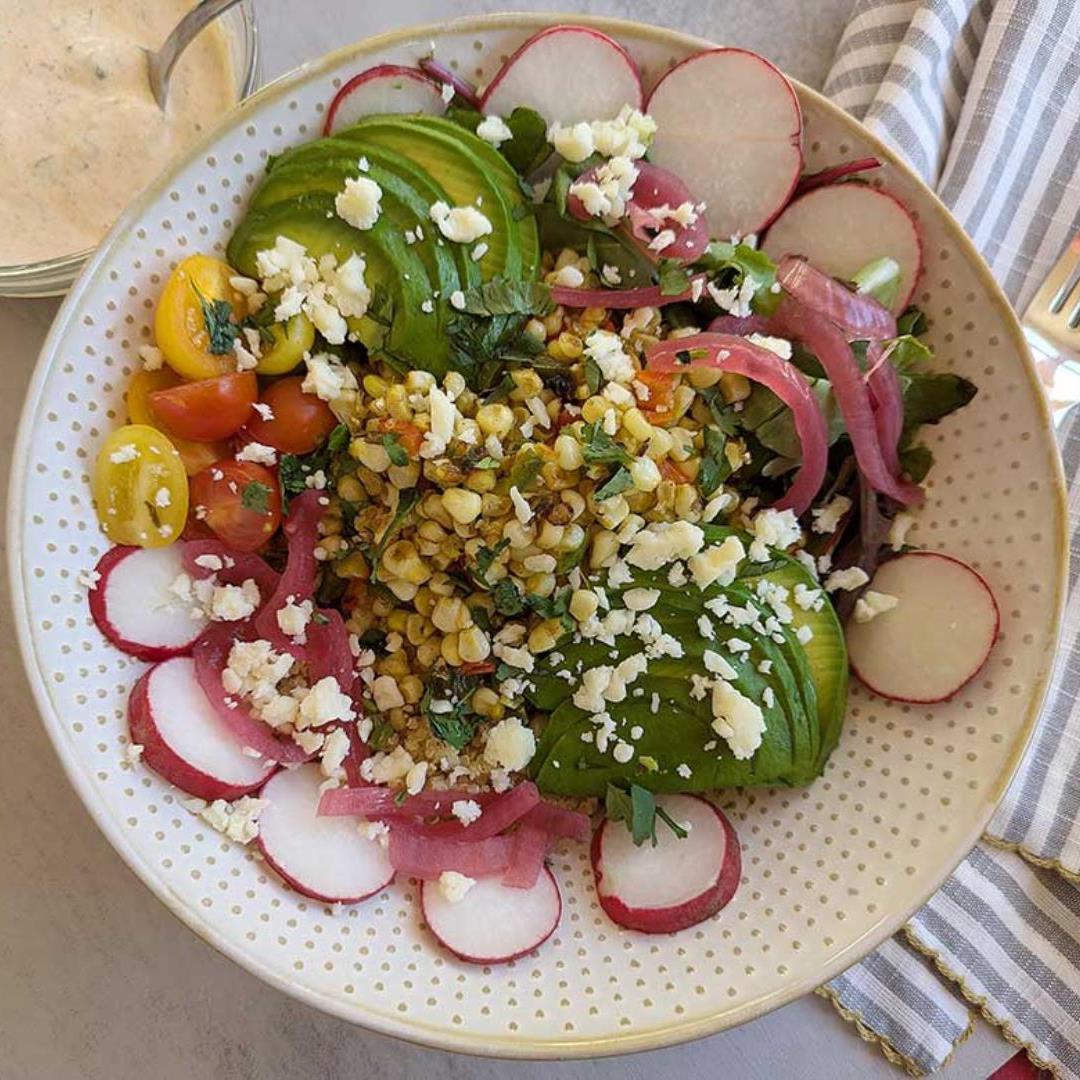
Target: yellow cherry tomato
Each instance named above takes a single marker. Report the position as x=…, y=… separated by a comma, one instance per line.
x=196, y=456
x=191, y=321
x=291, y=341
x=140, y=490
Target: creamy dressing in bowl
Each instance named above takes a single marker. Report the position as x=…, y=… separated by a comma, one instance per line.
x=80, y=130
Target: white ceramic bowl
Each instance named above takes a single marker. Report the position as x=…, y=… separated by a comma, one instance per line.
x=829, y=870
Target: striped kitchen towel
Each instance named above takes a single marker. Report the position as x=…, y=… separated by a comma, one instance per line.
x=983, y=98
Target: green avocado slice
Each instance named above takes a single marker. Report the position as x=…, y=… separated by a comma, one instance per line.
x=803, y=715
x=452, y=158
x=392, y=265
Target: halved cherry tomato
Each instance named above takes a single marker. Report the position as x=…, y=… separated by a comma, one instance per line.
x=299, y=422
x=240, y=501
x=291, y=341
x=140, y=490
x=195, y=455
x=209, y=409
x=197, y=300
x=670, y=471
x=409, y=435
x=659, y=406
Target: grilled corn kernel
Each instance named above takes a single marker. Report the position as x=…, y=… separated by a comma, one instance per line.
x=419, y=382
x=660, y=444
x=424, y=601
x=451, y=614
x=448, y=649
x=374, y=386
x=397, y=402
x=527, y=384
x=702, y=377
x=572, y=538
x=462, y=505
x=473, y=645
x=682, y=444
x=566, y=257
x=350, y=489
x=402, y=560
x=645, y=473
x=566, y=346
x=481, y=480
x=568, y=454
x=684, y=398
x=553, y=322
x=596, y=408
x=418, y=628
x=485, y=702
x=575, y=500
x=545, y=636
x=636, y=425
x=428, y=653
x=690, y=468
x=605, y=547
x=396, y=620
x=454, y=384
x=734, y=387
x=371, y=455
x=520, y=536
x=354, y=565
x=431, y=530
x=404, y=476
x=583, y=604
x=432, y=507
x=540, y=584
x=550, y=535
x=403, y=590
x=396, y=664
x=685, y=501
x=611, y=513
x=535, y=329
x=441, y=585
x=412, y=689
x=495, y=419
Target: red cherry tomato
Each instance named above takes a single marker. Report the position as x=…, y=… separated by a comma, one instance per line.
x=209, y=409
x=239, y=500
x=298, y=422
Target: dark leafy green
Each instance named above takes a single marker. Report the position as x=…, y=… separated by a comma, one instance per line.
x=931, y=396
x=528, y=149
x=504, y=296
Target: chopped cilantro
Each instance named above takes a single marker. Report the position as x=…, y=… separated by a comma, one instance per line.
x=599, y=448
x=218, y=320
x=593, y=375
x=338, y=439
x=507, y=597
x=255, y=496
x=397, y=453
x=486, y=556
x=619, y=481
x=526, y=471
x=715, y=467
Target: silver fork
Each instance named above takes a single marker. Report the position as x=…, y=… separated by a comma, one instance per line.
x=1052, y=327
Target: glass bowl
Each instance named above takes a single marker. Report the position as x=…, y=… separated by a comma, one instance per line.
x=53, y=277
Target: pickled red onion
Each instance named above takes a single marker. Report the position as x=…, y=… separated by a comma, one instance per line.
x=834, y=173
x=442, y=74
x=861, y=317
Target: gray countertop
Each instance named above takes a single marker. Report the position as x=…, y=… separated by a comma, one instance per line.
x=98, y=980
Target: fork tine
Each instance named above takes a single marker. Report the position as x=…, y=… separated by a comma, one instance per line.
x=1063, y=293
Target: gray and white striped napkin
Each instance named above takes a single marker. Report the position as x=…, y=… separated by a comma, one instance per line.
x=983, y=98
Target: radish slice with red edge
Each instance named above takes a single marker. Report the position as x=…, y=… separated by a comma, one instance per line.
x=835, y=173
x=416, y=853
x=183, y=738
x=493, y=923
x=324, y=858
x=446, y=76
x=596, y=77
x=843, y=227
x=134, y=606
x=385, y=88
x=211, y=655
x=937, y=637
x=729, y=126
x=739, y=355
x=676, y=884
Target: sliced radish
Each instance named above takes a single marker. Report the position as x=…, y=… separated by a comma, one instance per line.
x=493, y=922
x=729, y=125
x=135, y=608
x=935, y=640
x=184, y=740
x=843, y=227
x=675, y=884
x=567, y=74
x=385, y=88
x=325, y=858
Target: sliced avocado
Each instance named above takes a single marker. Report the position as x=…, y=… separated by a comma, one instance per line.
x=451, y=157
x=392, y=266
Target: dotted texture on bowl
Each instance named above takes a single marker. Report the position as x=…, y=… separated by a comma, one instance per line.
x=826, y=869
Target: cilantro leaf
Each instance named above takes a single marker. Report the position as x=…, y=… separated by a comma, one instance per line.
x=255, y=496
x=599, y=448
x=672, y=276
x=446, y=706
x=619, y=481
x=507, y=598
x=715, y=467
x=505, y=296
x=486, y=556
x=593, y=375
x=218, y=321
x=397, y=453
x=338, y=439
x=409, y=498
x=526, y=471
